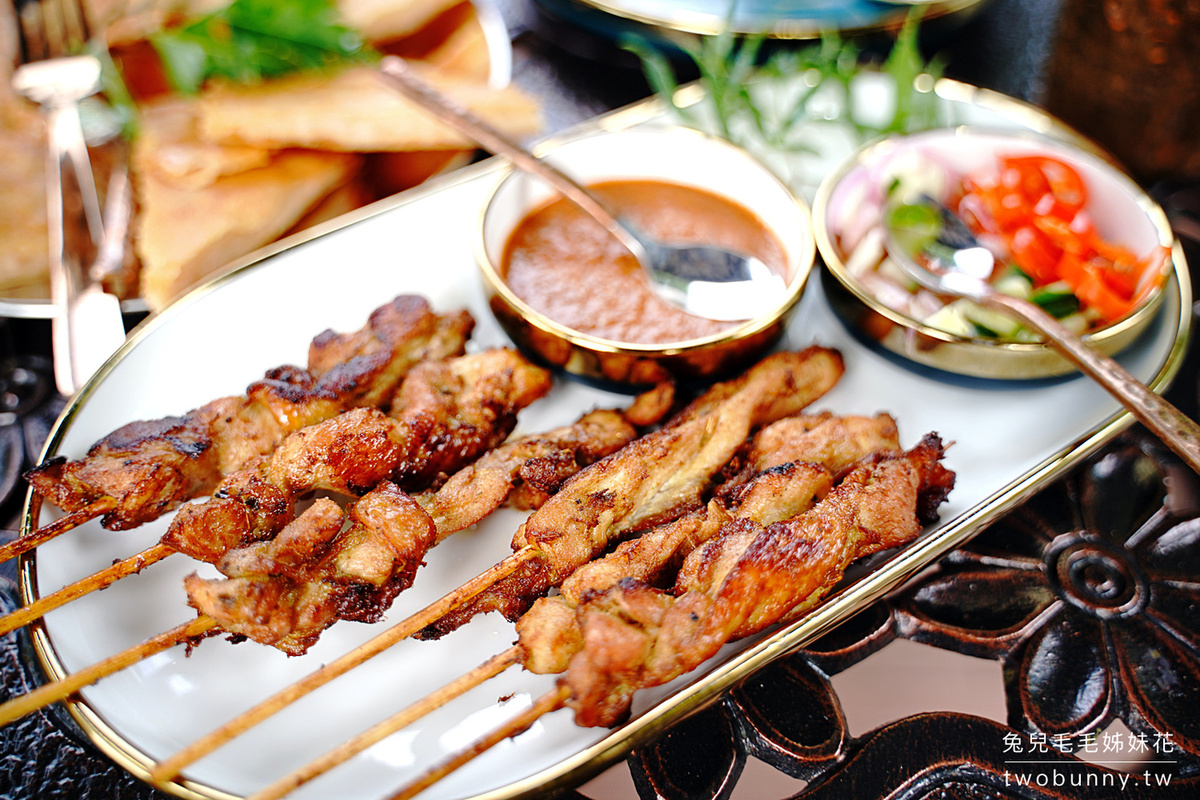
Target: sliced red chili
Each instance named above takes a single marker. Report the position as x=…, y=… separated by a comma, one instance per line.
x=1097, y=296
x=1034, y=251
x=1048, y=175
x=1036, y=203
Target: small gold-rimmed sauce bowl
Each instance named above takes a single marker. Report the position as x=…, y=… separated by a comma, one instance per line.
x=981, y=175
x=569, y=294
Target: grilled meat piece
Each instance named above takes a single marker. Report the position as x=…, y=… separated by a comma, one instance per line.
x=533, y=467
x=635, y=636
x=446, y=414
x=277, y=583
x=837, y=442
x=461, y=409
x=368, y=364
x=286, y=592
x=655, y=478
x=152, y=466
x=293, y=552
x=683, y=547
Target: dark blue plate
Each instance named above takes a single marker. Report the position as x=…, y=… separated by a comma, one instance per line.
x=782, y=19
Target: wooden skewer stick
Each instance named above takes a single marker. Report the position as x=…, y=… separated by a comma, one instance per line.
x=99, y=580
x=551, y=701
x=66, y=522
x=167, y=769
x=398, y=721
x=59, y=690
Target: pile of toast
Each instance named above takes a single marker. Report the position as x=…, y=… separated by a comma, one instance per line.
x=219, y=174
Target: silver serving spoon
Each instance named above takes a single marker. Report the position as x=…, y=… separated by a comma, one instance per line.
x=952, y=262
x=702, y=280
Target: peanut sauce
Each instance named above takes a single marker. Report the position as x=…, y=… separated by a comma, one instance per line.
x=566, y=266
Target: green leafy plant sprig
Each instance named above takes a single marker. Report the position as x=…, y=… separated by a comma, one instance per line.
x=247, y=41
x=250, y=40
x=730, y=68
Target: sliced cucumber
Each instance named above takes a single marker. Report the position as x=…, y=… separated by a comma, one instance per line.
x=890, y=270
x=1077, y=323
x=951, y=319
x=1014, y=284
x=997, y=323
x=965, y=318
x=1056, y=299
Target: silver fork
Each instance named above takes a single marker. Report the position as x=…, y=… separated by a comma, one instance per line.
x=57, y=77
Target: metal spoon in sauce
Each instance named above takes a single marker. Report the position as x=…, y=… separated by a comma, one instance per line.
x=941, y=254
x=702, y=280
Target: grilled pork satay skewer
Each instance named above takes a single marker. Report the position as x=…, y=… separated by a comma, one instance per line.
x=273, y=588
x=475, y=397
x=791, y=465
x=386, y=524
x=147, y=468
x=660, y=475
x=795, y=462
x=635, y=636
x=444, y=414
x=205, y=625
x=742, y=582
x=464, y=499
x=657, y=477
x=529, y=465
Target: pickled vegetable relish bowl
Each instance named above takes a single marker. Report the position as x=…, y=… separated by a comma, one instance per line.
x=1069, y=231
x=567, y=292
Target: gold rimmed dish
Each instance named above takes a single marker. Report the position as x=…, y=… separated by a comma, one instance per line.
x=872, y=301
x=670, y=20
x=471, y=40
x=645, y=157
x=422, y=242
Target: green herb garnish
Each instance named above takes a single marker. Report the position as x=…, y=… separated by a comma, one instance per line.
x=116, y=94
x=1056, y=299
x=904, y=65
x=250, y=40
x=983, y=331
x=916, y=225
x=730, y=70
x=726, y=65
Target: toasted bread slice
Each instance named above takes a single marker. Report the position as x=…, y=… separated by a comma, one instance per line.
x=184, y=235
x=354, y=111
x=382, y=20
x=169, y=148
